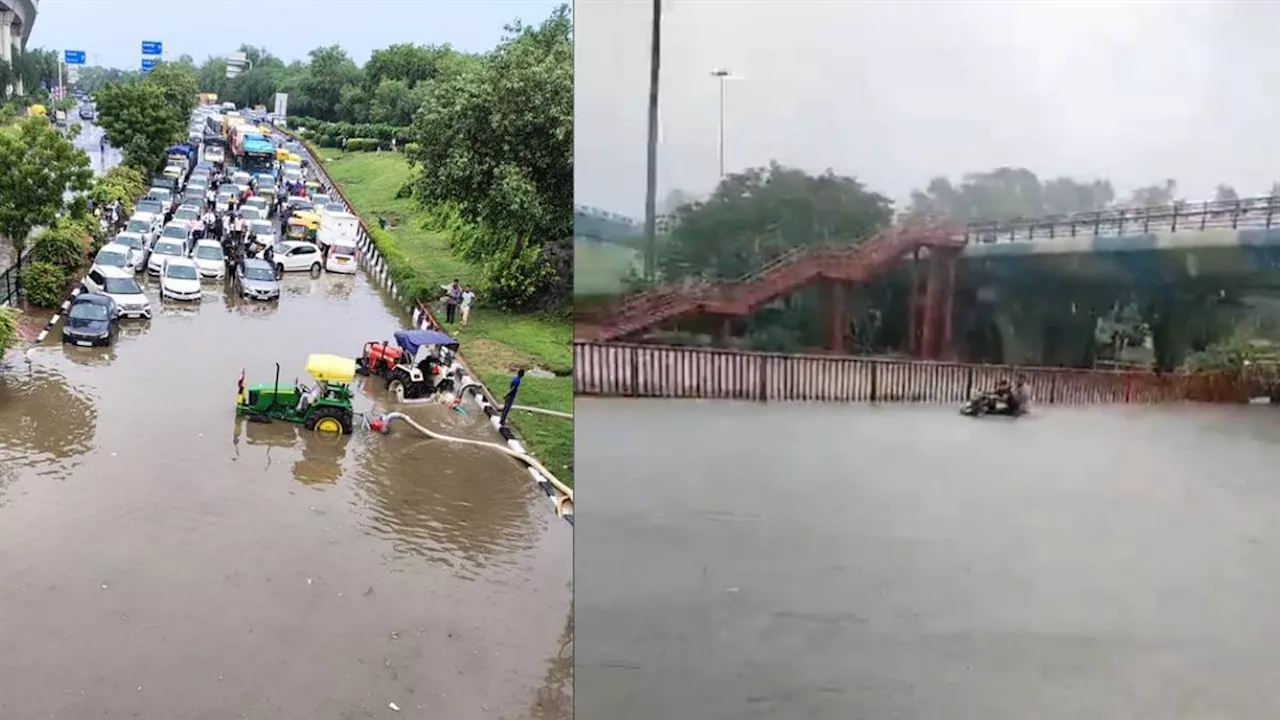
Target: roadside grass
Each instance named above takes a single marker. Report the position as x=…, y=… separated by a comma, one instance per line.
x=495, y=343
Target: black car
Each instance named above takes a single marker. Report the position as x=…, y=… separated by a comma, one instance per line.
x=86, y=112
x=91, y=320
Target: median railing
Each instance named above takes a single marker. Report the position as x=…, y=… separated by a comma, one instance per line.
x=657, y=371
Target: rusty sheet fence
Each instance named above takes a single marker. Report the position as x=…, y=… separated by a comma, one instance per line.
x=656, y=371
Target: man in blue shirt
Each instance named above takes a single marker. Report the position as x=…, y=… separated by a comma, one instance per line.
x=510, y=399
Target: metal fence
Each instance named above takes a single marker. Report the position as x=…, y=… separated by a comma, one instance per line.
x=9, y=290
x=657, y=371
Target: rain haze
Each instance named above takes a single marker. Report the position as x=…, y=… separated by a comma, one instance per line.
x=898, y=93
x=111, y=31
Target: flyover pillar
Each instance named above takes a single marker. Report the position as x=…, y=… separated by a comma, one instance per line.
x=836, y=300
x=6, y=43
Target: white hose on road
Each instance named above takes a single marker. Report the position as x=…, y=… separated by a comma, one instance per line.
x=564, y=507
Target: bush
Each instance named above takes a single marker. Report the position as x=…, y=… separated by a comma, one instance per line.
x=8, y=328
x=63, y=245
x=43, y=283
x=519, y=283
x=411, y=284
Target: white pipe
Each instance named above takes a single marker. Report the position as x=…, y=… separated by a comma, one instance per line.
x=542, y=411
x=526, y=459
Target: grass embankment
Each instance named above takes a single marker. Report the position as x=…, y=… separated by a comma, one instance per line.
x=495, y=343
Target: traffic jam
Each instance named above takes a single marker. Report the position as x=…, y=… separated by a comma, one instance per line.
x=235, y=206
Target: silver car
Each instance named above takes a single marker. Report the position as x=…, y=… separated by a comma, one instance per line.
x=258, y=280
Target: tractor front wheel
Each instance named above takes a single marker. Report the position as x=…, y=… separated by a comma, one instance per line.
x=396, y=388
x=329, y=420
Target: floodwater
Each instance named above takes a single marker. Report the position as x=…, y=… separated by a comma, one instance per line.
x=793, y=561
x=159, y=559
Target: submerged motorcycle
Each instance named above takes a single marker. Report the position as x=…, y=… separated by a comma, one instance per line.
x=992, y=403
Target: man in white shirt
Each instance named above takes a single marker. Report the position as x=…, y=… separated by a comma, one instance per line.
x=468, y=297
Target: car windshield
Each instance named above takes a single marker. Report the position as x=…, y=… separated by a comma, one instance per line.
x=186, y=215
x=337, y=249
x=168, y=248
x=132, y=241
x=174, y=232
x=111, y=258
x=122, y=286
x=259, y=273
x=88, y=311
x=180, y=272
x=138, y=226
x=209, y=252
x=261, y=228
x=266, y=182
x=150, y=207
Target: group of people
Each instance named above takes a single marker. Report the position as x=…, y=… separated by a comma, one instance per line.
x=458, y=300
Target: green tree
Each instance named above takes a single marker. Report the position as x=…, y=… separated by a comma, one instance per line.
x=1164, y=193
x=393, y=103
x=761, y=213
x=40, y=167
x=1225, y=193
x=495, y=139
x=1008, y=193
x=178, y=83
x=410, y=64
x=139, y=118
x=329, y=71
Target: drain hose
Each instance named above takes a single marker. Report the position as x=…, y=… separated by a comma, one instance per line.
x=543, y=411
x=564, y=503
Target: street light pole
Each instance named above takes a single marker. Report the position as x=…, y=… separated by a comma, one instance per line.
x=651, y=179
x=721, y=75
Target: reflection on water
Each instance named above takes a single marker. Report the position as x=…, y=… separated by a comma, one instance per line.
x=904, y=562
x=45, y=422
x=231, y=569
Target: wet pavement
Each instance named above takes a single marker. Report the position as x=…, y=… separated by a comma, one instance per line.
x=159, y=559
x=789, y=561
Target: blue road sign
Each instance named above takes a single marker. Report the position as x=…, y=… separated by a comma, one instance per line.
x=73, y=57
x=152, y=47
x=148, y=63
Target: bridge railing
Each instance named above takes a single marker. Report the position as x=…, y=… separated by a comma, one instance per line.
x=1261, y=212
x=661, y=371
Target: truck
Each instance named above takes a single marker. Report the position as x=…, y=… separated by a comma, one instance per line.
x=257, y=154
x=337, y=228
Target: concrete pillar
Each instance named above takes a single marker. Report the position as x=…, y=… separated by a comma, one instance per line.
x=836, y=301
x=6, y=42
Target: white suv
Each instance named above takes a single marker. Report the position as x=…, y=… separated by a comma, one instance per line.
x=119, y=285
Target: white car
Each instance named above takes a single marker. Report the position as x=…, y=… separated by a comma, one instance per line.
x=180, y=280
x=180, y=230
x=137, y=245
x=160, y=195
x=120, y=286
x=295, y=255
x=341, y=258
x=112, y=255
x=165, y=250
x=145, y=225
x=209, y=259
x=252, y=213
x=214, y=154
x=222, y=203
x=264, y=230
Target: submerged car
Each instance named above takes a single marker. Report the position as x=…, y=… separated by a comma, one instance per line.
x=120, y=286
x=137, y=245
x=209, y=259
x=258, y=280
x=296, y=256
x=113, y=255
x=91, y=320
x=165, y=250
x=180, y=280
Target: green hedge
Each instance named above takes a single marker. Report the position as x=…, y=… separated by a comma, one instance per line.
x=330, y=134
x=412, y=285
x=42, y=283
x=8, y=328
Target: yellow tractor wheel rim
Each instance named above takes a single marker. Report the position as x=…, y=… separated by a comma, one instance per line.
x=328, y=425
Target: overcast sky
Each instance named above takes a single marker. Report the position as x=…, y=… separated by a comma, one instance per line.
x=112, y=31
x=898, y=92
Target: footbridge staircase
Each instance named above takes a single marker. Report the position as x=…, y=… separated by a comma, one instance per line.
x=834, y=265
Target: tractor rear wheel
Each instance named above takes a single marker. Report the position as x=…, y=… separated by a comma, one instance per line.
x=329, y=420
x=396, y=388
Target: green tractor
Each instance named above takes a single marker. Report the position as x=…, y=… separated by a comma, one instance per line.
x=325, y=408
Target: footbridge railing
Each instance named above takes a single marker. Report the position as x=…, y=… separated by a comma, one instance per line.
x=1260, y=212
x=658, y=371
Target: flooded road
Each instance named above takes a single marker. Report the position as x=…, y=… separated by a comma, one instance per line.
x=158, y=559
x=789, y=561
